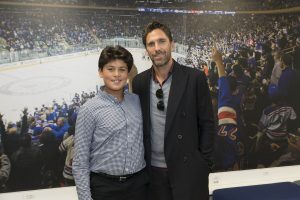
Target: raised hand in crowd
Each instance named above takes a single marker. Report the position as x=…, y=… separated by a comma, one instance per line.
x=25, y=111
x=217, y=57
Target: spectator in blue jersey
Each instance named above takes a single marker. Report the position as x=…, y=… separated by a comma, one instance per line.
x=109, y=152
x=51, y=115
x=275, y=124
x=60, y=128
x=228, y=141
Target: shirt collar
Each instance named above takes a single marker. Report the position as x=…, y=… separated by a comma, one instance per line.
x=102, y=92
x=154, y=75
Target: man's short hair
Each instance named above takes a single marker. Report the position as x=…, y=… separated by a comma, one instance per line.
x=111, y=53
x=156, y=25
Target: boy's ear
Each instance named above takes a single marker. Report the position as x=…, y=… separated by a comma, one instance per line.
x=100, y=73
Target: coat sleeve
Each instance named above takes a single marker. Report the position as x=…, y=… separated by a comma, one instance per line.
x=205, y=117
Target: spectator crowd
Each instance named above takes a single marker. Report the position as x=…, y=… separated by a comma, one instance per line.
x=240, y=5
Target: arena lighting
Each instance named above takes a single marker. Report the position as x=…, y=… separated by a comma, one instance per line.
x=177, y=11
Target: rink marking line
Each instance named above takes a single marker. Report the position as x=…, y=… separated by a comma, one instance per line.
x=20, y=65
x=15, y=67
x=9, y=76
x=27, y=86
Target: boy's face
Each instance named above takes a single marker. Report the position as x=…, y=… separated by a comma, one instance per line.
x=114, y=75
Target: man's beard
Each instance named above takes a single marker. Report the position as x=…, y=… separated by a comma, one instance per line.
x=163, y=62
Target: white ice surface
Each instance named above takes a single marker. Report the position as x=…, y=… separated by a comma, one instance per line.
x=33, y=85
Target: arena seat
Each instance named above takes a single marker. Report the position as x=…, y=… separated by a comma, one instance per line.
x=274, y=191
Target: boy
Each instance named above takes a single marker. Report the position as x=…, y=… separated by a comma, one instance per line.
x=109, y=152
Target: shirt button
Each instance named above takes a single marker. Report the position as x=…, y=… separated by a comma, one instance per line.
x=179, y=137
x=185, y=159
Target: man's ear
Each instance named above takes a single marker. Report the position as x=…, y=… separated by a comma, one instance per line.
x=172, y=46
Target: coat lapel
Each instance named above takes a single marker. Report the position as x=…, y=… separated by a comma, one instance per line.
x=178, y=86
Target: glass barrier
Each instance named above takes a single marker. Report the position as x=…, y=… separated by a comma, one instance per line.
x=27, y=54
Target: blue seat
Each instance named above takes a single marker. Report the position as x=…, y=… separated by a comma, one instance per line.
x=275, y=191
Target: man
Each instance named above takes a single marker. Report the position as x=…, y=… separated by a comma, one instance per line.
x=109, y=153
x=178, y=121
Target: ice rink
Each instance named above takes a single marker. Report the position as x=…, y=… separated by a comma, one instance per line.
x=33, y=85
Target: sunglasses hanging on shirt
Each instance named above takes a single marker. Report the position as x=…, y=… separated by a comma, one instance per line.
x=160, y=104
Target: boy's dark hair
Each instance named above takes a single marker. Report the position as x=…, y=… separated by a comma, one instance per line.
x=111, y=53
x=156, y=25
